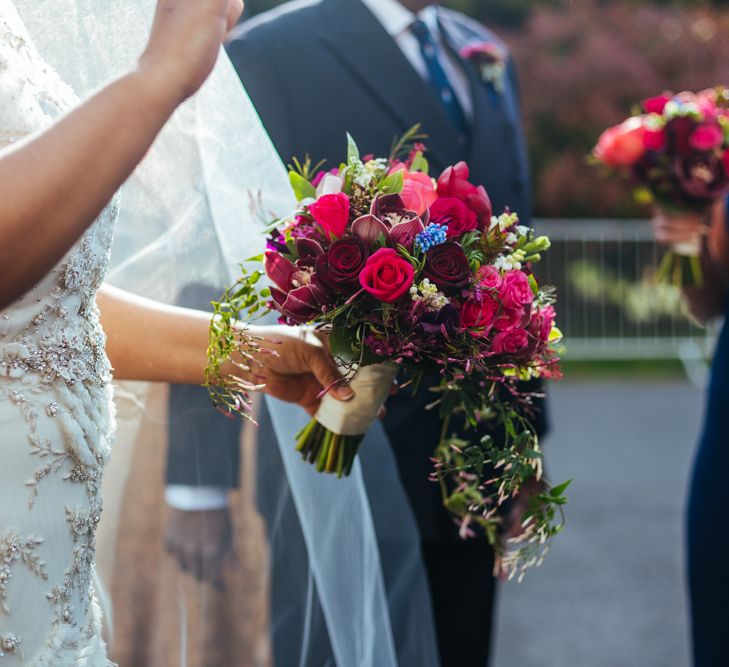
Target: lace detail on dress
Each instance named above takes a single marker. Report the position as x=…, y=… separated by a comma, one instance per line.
x=15, y=549
x=55, y=376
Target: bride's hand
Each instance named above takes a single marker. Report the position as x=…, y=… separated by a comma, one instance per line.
x=296, y=367
x=675, y=228
x=185, y=42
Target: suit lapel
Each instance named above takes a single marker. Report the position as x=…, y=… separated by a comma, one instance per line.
x=350, y=31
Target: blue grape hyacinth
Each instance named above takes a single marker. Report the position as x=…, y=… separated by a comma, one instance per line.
x=433, y=235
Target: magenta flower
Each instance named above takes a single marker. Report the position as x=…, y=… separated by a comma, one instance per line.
x=332, y=213
x=387, y=276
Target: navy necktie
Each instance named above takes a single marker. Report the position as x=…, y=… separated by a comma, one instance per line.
x=438, y=78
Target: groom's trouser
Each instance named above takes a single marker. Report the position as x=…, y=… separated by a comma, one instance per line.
x=458, y=576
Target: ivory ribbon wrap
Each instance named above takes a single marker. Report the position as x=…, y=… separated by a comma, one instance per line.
x=371, y=386
x=688, y=249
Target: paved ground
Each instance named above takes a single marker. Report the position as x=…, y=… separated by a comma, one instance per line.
x=611, y=592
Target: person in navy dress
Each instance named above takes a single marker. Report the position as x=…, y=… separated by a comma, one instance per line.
x=708, y=541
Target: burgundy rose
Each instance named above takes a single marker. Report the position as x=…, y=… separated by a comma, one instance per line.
x=446, y=265
x=455, y=214
x=444, y=321
x=387, y=275
x=678, y=135
x=339, y=268
x=454, y=183
x=702, y=177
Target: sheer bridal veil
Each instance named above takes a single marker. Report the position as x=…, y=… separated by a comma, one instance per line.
x=192, y=211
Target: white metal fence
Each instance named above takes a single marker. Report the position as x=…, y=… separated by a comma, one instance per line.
x=609, y=305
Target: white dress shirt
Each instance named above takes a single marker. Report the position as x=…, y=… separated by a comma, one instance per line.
x=396, y=20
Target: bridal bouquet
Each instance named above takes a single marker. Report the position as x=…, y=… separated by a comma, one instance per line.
x=410, y=276
x=675, y=149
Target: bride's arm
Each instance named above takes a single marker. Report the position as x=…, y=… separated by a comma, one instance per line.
x=157, y=343
x=54, y=184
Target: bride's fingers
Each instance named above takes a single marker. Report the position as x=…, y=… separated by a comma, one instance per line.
x=235, y=10
x=327, y=374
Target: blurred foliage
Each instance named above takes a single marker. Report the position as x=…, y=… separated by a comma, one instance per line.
x=583, y=64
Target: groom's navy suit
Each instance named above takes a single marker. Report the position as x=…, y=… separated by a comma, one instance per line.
x=315, y=71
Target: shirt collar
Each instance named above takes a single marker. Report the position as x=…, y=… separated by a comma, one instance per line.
x=395, y=19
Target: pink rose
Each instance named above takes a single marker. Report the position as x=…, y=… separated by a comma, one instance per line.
x=455, y=214
x=489, y=277
x=479, y=314
x=386, y=275
x=622, y=145
x=511, y=318
x=515, y=290
x=545, y=320
x=656, y=104
x=510, y=342
x=332, y=213
x=418, y=191
x=707, y=137
x=454, y=183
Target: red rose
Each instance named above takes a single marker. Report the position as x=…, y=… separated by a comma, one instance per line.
x=510, y=342
x=656, y=104
x=454, y=183
x=479, y=314
x=515, y=290
x=622, y=145
x=446, y=265
x=332, y=213
x=387, y=275
x=339, y=268
x=455, y=214
x=654, y=140
x=510, y=318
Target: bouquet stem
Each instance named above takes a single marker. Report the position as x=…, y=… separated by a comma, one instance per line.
x=331, y=453
x=332, y=439
x=681, y=269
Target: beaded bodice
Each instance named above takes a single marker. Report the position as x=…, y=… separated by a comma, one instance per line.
x=52, y=333
x=56, y=411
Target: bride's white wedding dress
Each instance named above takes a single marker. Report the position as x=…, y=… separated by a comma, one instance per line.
x=56, y=414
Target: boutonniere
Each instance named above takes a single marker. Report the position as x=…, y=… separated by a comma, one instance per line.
x=490, y=58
